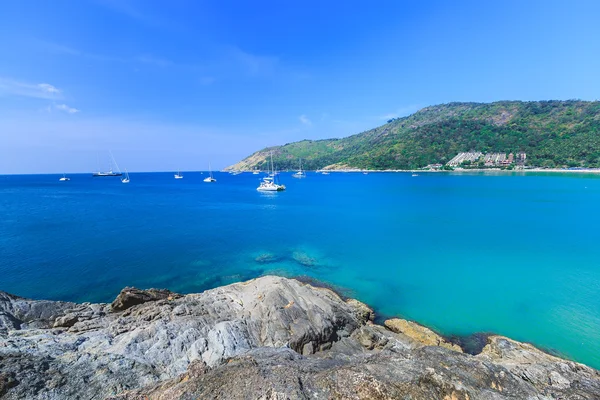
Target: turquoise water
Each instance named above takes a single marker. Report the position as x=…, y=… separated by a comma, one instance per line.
x=511, y=254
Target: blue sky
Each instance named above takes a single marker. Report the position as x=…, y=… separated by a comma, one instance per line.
x=176, y=84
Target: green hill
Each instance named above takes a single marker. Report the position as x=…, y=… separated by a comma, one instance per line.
x=552, y=133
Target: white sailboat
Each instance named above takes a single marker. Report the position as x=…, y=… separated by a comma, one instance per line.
x=255, y=172
x=178, y=175
x=268, y=183
x=125, y=179
x=64, y=178
x=300, y=173
x=209, y=178
x=110, y=171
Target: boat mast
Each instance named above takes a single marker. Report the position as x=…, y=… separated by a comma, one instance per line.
x=114, y=161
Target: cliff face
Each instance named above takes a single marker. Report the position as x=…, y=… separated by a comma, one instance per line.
x=270, y=338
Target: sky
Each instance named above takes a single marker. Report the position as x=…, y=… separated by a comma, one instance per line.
x=176, y=84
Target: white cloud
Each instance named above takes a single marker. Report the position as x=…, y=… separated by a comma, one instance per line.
x=66, y=108
x=48, y=88
x=12, y=87
x=304, y=119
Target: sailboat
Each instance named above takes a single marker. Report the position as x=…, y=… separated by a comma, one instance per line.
x=209, y=178
x=300, y=173
x=178, y=175
x=126, y=178
x=255, y=172
x=110, y=171
x=268, y=183
x=64, y=178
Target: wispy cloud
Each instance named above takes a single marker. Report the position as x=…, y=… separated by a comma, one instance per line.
x=156, y=61
x=13, y=87
x=66, y=108
x=128, y=9
x=304, y=119
x=252, y=64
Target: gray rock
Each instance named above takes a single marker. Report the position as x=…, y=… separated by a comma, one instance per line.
x=268, y=338
x=131, y=296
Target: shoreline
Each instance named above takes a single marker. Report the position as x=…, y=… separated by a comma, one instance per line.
x=246, y=339
x=470, y=343
x=466, y=171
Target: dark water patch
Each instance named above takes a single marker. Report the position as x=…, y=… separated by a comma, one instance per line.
x=471, y=344
x=380, y=318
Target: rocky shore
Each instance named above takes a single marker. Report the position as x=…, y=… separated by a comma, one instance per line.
x=268, y=338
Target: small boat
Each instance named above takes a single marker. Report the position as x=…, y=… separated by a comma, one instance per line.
x=209, y=178
x=126, y=178
x=268, y=183
x=415, y=174
x=110, y=171
x=64, y=178
x=365, y=173
x=178, y=175
x=300, y=173
x=236, y=172
x=255, y=172
x=325, y=173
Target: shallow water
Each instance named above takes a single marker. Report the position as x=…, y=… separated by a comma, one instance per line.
x=512, y=254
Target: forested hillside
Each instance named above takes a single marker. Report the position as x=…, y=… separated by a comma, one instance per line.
x=552, y=133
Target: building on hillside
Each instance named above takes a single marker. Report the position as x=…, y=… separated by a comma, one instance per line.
x=508, y=161
x=460, y=158
x=434, y=166
x=489, y=159
x=521, y=158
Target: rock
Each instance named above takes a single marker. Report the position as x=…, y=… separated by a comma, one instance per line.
x=419, y=333
x=265, y=258
x=303, y=259
x=131, y=296
x=268, y=338
x=544, y=371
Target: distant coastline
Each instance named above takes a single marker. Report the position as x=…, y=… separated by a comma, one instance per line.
x=458, y=170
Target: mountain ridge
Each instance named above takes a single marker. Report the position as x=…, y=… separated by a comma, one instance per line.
x=553, y=133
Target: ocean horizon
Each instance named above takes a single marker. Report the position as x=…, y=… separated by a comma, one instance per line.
x=512, y=254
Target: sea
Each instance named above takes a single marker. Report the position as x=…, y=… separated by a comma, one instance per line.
x=516, y=254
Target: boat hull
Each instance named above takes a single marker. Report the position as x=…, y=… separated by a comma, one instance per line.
x=103, y=174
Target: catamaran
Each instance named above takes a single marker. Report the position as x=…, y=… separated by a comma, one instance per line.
x=64, y=178
x=300, y=173
x=178, y=175
x=126, y=178
x=268, y=183
x=110, y=171
x=209, y=178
